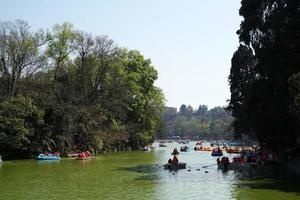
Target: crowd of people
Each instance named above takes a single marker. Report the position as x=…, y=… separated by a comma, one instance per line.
x=250, y=156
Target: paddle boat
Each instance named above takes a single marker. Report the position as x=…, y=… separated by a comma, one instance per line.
x=206, y=149
x=162, y=144
x=48, y=157
x=184, y=149
x=171, y=166
x=72, y=155
x=233, y=150
x=146, y=149
x=84, y=156
x=216, y=152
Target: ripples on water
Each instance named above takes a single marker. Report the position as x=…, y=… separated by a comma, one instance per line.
x=140, y=175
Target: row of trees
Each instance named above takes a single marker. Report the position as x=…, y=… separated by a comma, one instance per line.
x=265, y=73
x=66, y=90
x=201, y=122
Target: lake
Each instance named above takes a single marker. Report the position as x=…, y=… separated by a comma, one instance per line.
x=140, y=175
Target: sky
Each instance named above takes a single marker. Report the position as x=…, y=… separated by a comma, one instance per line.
x=190, y=42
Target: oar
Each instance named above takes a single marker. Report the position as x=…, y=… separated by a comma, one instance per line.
x=208, y=166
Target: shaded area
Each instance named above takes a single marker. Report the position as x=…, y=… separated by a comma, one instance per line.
x=269, y=178
x=147, y=171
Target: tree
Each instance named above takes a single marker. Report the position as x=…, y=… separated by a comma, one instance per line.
x=88, y=93
x=20, y=124
x=201, y=112
x=20, y=55
x=215, y=122
x=261, y=101
x=183, y=110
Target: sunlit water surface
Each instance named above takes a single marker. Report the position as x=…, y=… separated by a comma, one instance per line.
x=140, y=175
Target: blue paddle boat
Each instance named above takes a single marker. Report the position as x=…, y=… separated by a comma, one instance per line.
x=47, y=157
x=217, y=153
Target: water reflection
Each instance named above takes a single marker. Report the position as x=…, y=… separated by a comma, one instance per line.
x=84, y=163
x=148, y=171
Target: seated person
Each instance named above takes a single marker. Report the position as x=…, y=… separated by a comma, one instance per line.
x=175, y=160
x=175, y=152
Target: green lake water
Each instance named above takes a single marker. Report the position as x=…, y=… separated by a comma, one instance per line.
x=140, y=175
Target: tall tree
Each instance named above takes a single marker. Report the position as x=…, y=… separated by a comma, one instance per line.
x=20, y=55
x=271, y=30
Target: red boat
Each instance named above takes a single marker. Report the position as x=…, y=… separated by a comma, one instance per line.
x=84, y=156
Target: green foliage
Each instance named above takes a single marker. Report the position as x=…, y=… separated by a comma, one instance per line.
x=20, y=56
x=20, y=123
x=93, y=95
x=199, y=123
x=263, y=73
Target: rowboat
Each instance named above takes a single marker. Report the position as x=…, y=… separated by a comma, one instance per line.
x=175, y=167
x=162, y=145
x=146, y=149
x=217, y=153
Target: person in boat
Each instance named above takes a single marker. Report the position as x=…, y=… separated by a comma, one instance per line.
x=175, y=160
x=81, y=155
x=226, y=163
x=175, y=152
x=234, y=160
x=218, y=161
x=170, y=161
x=88, y=154
x=223, y=160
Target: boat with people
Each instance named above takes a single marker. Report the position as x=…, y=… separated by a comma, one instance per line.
x=233, y=150
x=238, y=163
x=183, y=142
x=174, y=164
x=147, y=149
x=72, y=155
x=206, y=149
x=171, y=166
x=84, y=156
x=162, y=144
x=196, y=148
x=217, y=152
x=48, y=156
x=184, y=148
